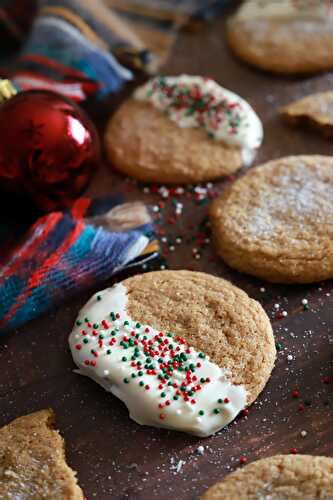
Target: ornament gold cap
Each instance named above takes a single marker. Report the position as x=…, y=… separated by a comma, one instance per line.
x=7, y=90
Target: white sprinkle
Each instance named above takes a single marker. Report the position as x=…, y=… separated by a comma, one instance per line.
x=304, y=302
x=200, y=450
x=180, y=465
x=276, y=306
x=263, y=289
x=156, y=208
x=303, y=434
x=290, y=357
x=172, y=248
x=284, y=313
x=106, y=373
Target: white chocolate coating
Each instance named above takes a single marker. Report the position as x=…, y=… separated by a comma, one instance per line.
x=284, y=9
x=194, y=101
x=199, y=400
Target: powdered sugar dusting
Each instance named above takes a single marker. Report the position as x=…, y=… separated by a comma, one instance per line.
x=297, y=199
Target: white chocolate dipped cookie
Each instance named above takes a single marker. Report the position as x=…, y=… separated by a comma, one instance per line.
x=284, y=36
x=182, y=129
x=196, y=379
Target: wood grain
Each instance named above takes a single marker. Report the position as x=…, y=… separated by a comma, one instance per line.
x=114, y=457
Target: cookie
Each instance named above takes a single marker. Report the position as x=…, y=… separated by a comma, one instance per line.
x=276, y=222
x=182, y=129
x=284, y=36
x=282, y=477
x=32, y=461
x=315, y=111
x=196, y=379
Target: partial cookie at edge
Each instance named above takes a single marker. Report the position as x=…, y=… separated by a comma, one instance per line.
x=32, y=460
x=276, y=221
x=287, y=476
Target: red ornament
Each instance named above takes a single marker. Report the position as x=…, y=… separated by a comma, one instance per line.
x=49, y=148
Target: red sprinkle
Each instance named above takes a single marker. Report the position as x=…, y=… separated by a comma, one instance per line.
x=242, y=460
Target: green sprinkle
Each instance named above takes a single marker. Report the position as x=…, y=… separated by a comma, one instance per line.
x=220, y=401
x=140, y=373
x=202, y=380
x=126, y=381
x=86, y=320
x=201, y=412
x=217, y=411
x=108, y=351
x=133, y=375
x=162, y=394
x=124, y=358
x=99, y=297
x=201, y=355
x=101, y=337
x=141, y=383
x=175, y=398
x=95, y=325
x=78, y=322
x=85, y=341
x=279, y=346
x=138, y=325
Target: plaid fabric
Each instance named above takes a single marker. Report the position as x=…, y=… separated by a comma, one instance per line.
x=66, y=252
x=91, y=47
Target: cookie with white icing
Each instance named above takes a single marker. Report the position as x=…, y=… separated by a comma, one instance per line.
x=315, y=111
x=284, y=36
x=183, y=350
x=281, y=477
x=182, y=129
x=276, y=222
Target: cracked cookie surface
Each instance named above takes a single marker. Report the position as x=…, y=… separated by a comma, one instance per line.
x=276, y=222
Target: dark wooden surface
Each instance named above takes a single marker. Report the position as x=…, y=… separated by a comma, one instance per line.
x=116, y=458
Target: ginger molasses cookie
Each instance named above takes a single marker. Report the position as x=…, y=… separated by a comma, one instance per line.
x=315, y=110
x=281, y=477
x=182, y=129
x=183, y=350
x=284, y=36
x=32, y=461
x=276, y=222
